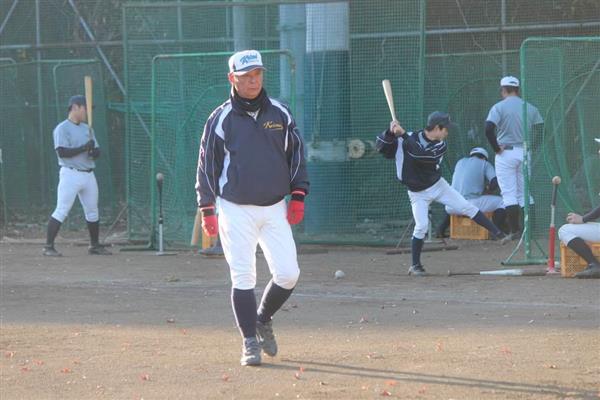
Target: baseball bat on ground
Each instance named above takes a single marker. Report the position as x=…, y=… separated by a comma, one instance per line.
x=387, y=90
x=89, y=102
x=552, y=230
x=499, y=272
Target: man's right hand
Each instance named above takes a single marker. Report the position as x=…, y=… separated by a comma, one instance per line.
x=89, y=146
x=573, y=218
x=396, y=128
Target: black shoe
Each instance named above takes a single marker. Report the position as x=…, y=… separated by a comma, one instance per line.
x=417, y=270
x=98, y=250
x=50, y=251
x=215, y=251
x=592, y=271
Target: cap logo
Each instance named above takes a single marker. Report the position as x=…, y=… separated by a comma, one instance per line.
x=249, y=58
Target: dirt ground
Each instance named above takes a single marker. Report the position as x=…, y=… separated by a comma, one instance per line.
x=139, y=326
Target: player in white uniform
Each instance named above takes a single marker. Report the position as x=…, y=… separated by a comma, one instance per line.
x=76, y=153
x=504, y=130
x=418, y=157
x=578, y=230
x=470, y=178
x=251, y=157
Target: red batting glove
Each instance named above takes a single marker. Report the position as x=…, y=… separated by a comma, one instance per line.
x=295, y=212
x=210, y=223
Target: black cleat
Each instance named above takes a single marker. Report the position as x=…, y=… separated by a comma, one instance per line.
x=266, y=338
x=417, y=270
x=98, y=250
x=591, y=272
x=215, y=251
x=50, y=251
x=251, y=352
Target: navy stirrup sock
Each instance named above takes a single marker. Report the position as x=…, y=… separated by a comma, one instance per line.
x=272, y=300
x=415, y=248
x=482, y=220
x=244, y=309
x=583, y=250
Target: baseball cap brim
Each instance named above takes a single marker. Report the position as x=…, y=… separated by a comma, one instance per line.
x=248, y=69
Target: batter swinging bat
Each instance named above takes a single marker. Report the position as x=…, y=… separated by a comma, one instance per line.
x=552, y=230
x=89, y=102
x=387, y=90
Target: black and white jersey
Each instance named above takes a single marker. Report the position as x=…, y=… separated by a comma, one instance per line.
x=418, y=159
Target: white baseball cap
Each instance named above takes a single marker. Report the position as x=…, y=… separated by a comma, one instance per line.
x=245, y=61
x=509, y=81
x=479, y=150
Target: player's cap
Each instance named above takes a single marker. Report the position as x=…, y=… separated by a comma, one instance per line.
x=479, y=150
x=509, y=81
x=440, y=118
x=245, y=61
x=77, y=99
x=597, y=140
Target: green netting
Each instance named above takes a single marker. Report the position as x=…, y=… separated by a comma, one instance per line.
x=340, y=62
x=438, y=54
x=34, y=99
x=561, y=76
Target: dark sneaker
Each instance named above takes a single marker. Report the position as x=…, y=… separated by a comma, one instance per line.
x=266, y=338
x=250, y=352
x=50, y=251
x=417, y=270
x=592, y=271
x=98, y=250
x=215, y=251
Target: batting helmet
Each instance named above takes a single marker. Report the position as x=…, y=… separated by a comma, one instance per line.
x=479, y=150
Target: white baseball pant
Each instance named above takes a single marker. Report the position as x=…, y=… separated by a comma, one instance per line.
x=509, y=171
x=443, y=193
x=242, y=227
x=74, y=183
x=485, y=203
x=590, y=231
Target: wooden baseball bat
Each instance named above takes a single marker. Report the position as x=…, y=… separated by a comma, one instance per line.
x=197, y=231
x=387, y=90
x=89, y=102
x=552, y=230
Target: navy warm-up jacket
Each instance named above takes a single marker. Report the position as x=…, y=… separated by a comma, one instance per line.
x=247, y=161
x=418, y=159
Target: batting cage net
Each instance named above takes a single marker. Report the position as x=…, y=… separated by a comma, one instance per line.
x=338, y=103
x=34, y=97
x=162, y=68
x=561, y=77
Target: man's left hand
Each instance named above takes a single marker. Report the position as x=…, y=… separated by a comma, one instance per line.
x=295, y=212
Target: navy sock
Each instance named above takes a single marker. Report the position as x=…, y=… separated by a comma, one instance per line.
x=512, y=218
x=272, y=300
x=53, y=228
x=583, y=250
x=244, y=309
x=416, y=246
x=499, y=219
x=482, y=220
